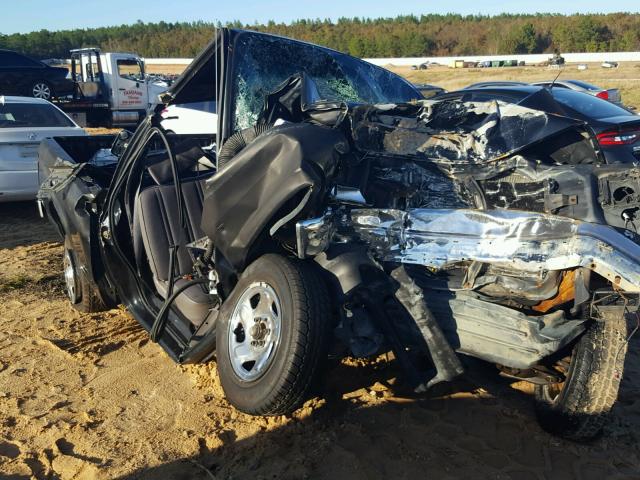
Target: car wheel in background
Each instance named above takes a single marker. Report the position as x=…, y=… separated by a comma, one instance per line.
x=41, y=90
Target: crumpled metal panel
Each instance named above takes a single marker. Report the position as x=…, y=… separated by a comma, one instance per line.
x=481, y=131
x=423, y=185
x=249, y=194
x=61, y=156
x=454, y=134
x=528, y=242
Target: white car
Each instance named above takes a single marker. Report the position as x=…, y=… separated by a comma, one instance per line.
x=191, y=118
x=24, y=122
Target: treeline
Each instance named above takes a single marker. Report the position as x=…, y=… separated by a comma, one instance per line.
x=403, y=36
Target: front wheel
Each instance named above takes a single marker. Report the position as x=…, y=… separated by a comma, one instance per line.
x=578, y=408
x=273, y=336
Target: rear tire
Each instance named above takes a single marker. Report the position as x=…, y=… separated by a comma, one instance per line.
x=80, y=292
x=269, y=357
x=578, y=408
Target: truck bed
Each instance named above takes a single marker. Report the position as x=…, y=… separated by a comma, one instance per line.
x=61, y=155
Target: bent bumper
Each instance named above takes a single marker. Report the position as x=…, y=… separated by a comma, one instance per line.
x=529, y=242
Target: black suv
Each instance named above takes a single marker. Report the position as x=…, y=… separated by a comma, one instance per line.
x=21, y=75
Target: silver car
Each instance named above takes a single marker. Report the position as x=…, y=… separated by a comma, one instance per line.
x=24, y=122
x=612, y=94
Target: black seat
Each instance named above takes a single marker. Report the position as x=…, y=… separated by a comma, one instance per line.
x=156, y=227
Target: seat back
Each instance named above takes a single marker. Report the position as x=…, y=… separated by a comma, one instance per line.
x=157, y=227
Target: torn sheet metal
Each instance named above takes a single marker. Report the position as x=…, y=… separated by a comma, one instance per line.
x=66, y=154
x=453, y=132
x=522, y=241
x=402, y=184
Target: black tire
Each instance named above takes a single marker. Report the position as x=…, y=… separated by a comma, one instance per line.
x=39, y=89
x=300, y=353
x=80, y=292
x=578, y=408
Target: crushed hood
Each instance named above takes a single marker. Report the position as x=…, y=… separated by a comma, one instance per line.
x=452, y=133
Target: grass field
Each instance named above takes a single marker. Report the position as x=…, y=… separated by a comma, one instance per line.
x=626, y=77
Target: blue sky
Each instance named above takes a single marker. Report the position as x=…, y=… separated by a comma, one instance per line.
x=29, y=15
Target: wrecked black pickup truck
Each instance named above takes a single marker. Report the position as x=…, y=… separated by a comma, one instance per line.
x=336, y=213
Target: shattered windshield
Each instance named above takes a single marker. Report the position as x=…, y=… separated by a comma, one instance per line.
x=263, y=62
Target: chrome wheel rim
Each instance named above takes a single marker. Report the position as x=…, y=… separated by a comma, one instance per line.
x=254, y=331
x=71, y=284
x=41, y=90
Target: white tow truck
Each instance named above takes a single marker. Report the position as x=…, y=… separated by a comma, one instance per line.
x=111, y=89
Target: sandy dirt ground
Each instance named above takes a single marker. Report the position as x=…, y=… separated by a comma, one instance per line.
x=88, y=396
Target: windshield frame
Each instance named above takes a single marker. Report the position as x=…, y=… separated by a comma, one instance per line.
x=231, y=80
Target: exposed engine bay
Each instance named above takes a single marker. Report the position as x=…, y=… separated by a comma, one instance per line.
x=501, y=215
